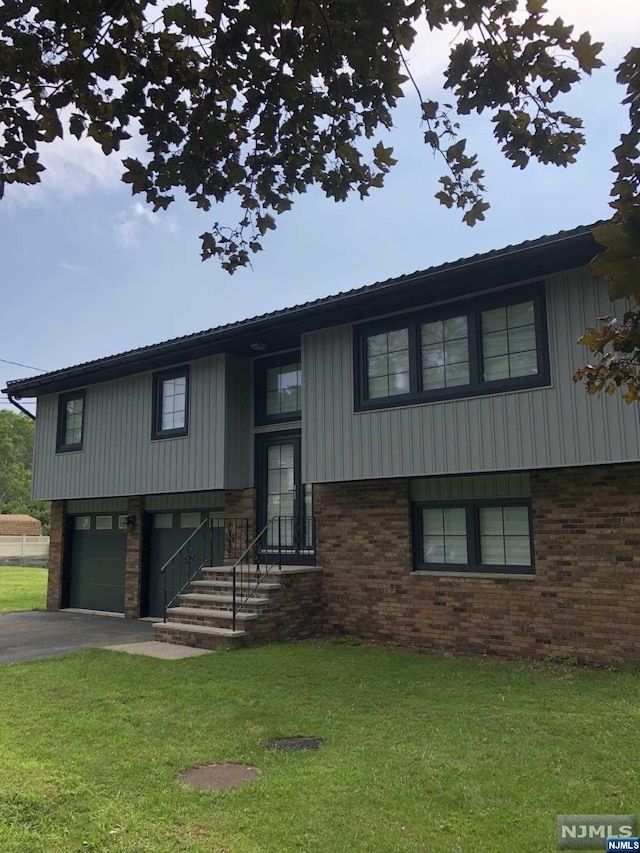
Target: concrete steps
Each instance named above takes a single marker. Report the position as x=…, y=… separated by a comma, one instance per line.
x=198, y=636
x=203, y=618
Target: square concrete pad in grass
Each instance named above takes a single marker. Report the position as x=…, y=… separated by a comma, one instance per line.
x=164, y=651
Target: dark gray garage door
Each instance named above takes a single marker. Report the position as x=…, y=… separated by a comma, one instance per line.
x=96, y=562
x=166, y=532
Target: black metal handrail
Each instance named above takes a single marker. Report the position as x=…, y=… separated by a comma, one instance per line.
x=280, y=536
x=198, y=551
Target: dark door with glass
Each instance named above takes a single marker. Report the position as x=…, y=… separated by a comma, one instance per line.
x=284, y=502
x=165, y=535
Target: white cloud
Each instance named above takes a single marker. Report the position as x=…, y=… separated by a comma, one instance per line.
x=132, y=224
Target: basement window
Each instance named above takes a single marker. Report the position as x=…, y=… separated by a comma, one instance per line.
x=486, y=536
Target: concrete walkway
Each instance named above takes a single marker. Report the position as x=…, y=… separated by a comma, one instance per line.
x=35, y=634
x=163, y=651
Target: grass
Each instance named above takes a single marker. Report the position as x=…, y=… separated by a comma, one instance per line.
x=421, y=754
x=22, y=588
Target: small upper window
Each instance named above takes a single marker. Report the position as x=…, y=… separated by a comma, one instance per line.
x=279, y=388
x=388, y=364
x=283, y=389
x=171, y=403
x=70, y=421
x=509, y=342
x=445, y=353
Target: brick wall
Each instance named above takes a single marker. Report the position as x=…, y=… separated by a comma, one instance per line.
x=295, y=611
x=56, y=555
x=239, y=504
x=133, y=571
x=580, y=605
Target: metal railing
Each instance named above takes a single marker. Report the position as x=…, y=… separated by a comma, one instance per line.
x=215, y=540
x=281, y=538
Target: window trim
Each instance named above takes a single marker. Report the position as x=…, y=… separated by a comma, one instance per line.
x=63, y=399
x=261, y=366
x=474, y=566
x=472, y=309
x=157, y=433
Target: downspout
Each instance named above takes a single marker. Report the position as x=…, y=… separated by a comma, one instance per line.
x=22, y=408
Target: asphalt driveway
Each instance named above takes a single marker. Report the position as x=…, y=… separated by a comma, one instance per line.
x=35, y=634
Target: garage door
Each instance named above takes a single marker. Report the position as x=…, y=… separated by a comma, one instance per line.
x=96, y=561
x=166, y=533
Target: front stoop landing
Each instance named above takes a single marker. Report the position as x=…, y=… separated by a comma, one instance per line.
x=288, y=603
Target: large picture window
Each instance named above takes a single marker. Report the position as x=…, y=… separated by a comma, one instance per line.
x=70, y=421
x=171, y=403
x=279, y=388
x=474, y=536
x=493, y=343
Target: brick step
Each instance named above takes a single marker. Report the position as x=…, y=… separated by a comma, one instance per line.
x=265, y=586
x=224, y=588
x=198, y=636
x=219, y=602
x=226, y=569
x=204, y=616
x=274, y=571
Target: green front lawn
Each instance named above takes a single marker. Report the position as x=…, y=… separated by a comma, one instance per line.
x=422, y=754
x=22, y=588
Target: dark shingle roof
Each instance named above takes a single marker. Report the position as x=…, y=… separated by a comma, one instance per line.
x=193, y=345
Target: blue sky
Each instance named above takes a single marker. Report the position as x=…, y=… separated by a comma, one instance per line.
x=88, y=270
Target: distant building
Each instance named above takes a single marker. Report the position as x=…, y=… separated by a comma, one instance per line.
x=19, y=525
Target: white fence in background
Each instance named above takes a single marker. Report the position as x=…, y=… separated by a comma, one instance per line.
x=23, y=550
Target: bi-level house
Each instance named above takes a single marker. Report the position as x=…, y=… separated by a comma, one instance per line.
x=408, y=462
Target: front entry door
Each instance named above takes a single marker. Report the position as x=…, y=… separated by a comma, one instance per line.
x=282, y=498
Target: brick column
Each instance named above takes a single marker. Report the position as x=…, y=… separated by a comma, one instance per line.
x=56, y=555
x=238, y=504
x=133, y=576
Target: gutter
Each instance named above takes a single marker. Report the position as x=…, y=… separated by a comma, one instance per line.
x=18, y=406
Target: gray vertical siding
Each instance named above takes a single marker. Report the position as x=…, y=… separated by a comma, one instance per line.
x=475, y=486
x=541, y=428
x=239, y=423
x=118, y=456
x=80, y=507
x=191, y=500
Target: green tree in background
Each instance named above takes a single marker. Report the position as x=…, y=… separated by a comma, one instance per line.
x=16, y=457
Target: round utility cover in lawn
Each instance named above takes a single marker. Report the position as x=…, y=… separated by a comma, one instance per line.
x=207, y=777
x=293, y=744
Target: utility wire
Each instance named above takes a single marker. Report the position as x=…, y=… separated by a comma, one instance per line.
x=19, y=364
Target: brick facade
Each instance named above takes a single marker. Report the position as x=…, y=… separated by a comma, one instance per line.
x=133, y=571
x=295, y=612
x=56, y=555
x=239, y=504
x=581, y=603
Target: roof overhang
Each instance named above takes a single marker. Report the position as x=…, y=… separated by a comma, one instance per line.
x=282, y=330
